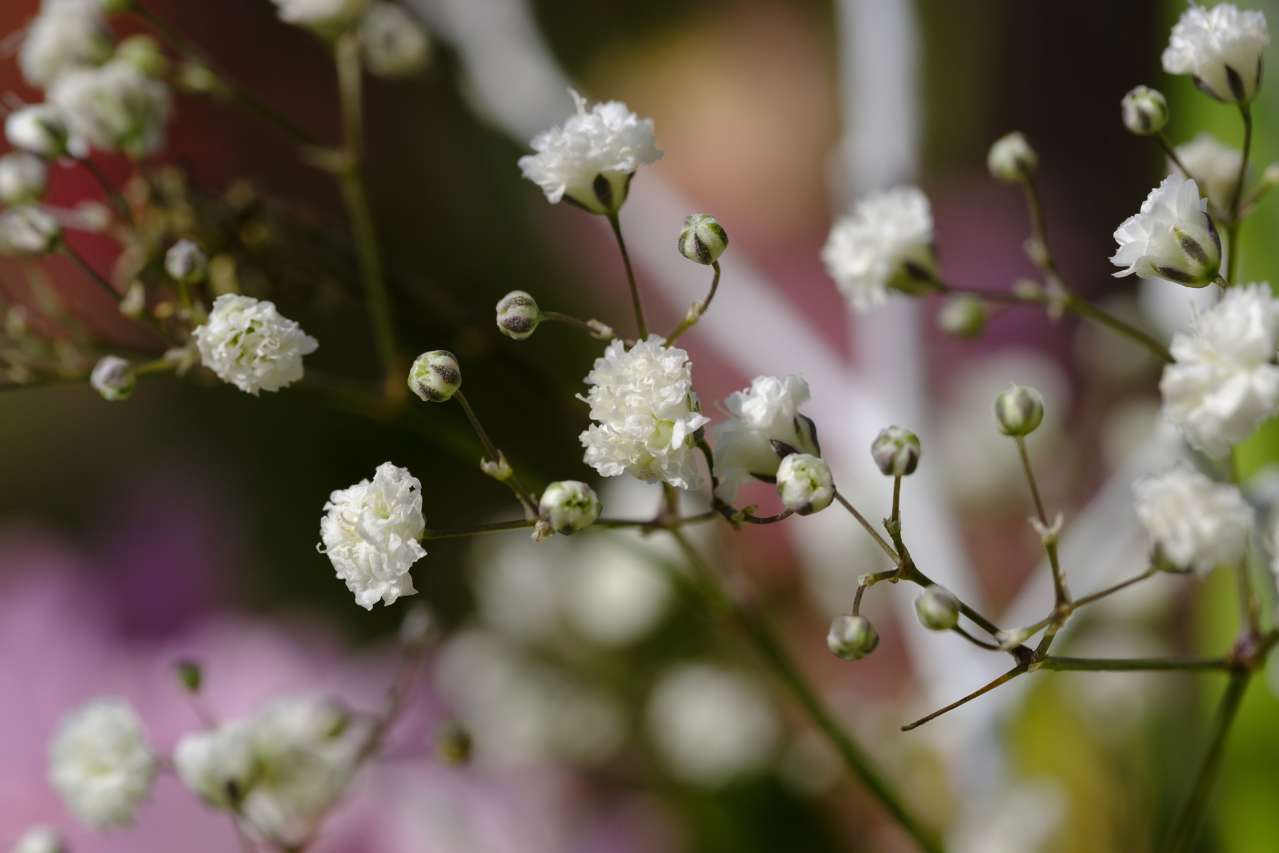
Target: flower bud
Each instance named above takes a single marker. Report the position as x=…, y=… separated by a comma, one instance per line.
x=144, y=53
x=190, y=675
x=1270, y=177
x=569, y=506
x=499, y=469
x=23, y=177
x=1019, y=410
x=804, y=483
x=186, y=262
x=896, y=451
x=393, y=42
x=702, y=239
x=518, y=315
x=113, y=378
x=28, y=230
x=200, y=79
x=453, y=744
x=1145, y=111
x=1011, y=158
x=435, y=376
x=39, y=129
x=937, y=609
x=963, y=316
x=851, y=637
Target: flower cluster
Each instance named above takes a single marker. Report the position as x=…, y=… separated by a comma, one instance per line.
x=1221, y=48
x=885, y=243
x=1195, y=523
x=101, y=763
x=247, y=343
x=1171, y=237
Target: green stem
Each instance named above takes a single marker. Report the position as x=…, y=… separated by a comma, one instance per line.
x=1068, y=664
x=525, y=523
x=1083, y=308
x=874, y=534
x=113, y=195
x=980, y=691
x=1236, y=195
x=493, y=454
x=594, y=328
x=1050, y=546
x=1166, y=145
x=93, y=275
x=640, y=322
x=695, y=313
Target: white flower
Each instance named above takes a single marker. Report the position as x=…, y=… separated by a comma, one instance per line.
x=28, y=230
x=370, y=533
x=1011, y=158
x=1195, y=522
x=616, y=594
x=1221, y=48
x=885, y=242
x=327, y=17
x=1172, y=237
x=767, y=410
x=591, y=158
x=642, y=400
x=40, y=129
x=394, y=43
x=114, y=108
x=66, y=34
x=101, y=764
x=217, y=765
x=1224, y=381
x=1214, y=166
x=113, y=377
x=711, y=725
x=23, y=177
x=39, y=839
x=246, y=342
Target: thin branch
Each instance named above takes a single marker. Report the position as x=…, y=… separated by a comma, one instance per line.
x=980, y=691
x=640, y=322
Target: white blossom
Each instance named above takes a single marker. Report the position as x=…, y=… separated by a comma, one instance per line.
x=590, y=158
x=326, y=17
x=1221, y=48
x=217, y=765
x=101, y=764
x=28, y=230
x=1224, y=381
x=1011, y=158
x=39, y=839
x=247, y=343
x=885, y=242
x=370, y=532
x=394, y=43
x=1171, y=237
x=1213, y=165
x=39, y=129
x=645, y=412
x=23, y=177
x=1195, y=522
x=766, y=411
x=114, y=107
x=113, y=378
x=66, y=34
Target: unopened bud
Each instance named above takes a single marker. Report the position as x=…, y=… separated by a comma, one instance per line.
x=963, y=316
x=600, y=331
x=190, y=675
x=39, y=129
x=393, y=42
x=937, y=608
x=1011, y=158
x=113, y=378
x=200, y=79
x=569, y=506
x=23, y=177
x=435, y=376
x=1145, y=111
x=186, y=262
x=518, y=315
x=851, y=637
x=144, y=53
x=134, y=301
x=1019, y=410
x=896, y=451
x=804, y=483
x=453, y=745
x=702, y=239
x=499, y=469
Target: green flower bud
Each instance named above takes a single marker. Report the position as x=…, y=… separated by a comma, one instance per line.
x=569, y=506
x=702, y=239
x=937, y=609
x=145, y=54
x=896, y=451
x=851, y=637
x=190, y=675
x=963, y=316
x=453, y=744
x=435, y=376
x=1019, y=410
x=518, y=315
x=1145, y=111
x=804, y=483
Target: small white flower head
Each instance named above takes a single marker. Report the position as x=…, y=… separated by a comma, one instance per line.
x=702, y=239
x=101, y=764
x=1011, y=159
x=896, y=451
x=937, y=608
x=1019, y=410
x=885, y=242
x=1223, y=381
x=569, y=506
x=962, y=315
x=1194, y=522
x=217, y=765
x=28, y=230
x=851, y=637
x=186, y=262
x=1221, y=48
x=1172, y=237
x=113, y=108
x=145, y=54
x=39, y=129
x=1145, y=111
x=66, y=34
x=804, y=483
x=435, y=376
x=247, y=343
x=40, y=839
x=1214, y=166
x=393, y=41
x=765, y=412
x=370, y=533
x=113, y=378
x=23, y=177
x=645, y=413
x=327, y=18
x=518, y=315
x=592, y=157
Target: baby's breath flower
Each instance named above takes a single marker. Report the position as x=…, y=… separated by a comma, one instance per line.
x=765, y=412
x=591, y=158
x=328, y=18
x=113, y=108
x=851, y=637
x=394, y=43
x=39, y=129
x=39, y=839
x=937, y=608
x=896, y=451
x=217, y=765
x=23, y=177
x=101, y=764
x=1172, y=237
x=1011, y=159
x=28, y=230
x=247, y=343
x=66, y=34
x=1195, y=522
x=113, y=378
x=1221, y=48
x=370, y=532
x=1145, y=110
x=1213, y=165
x=804, y=483
x=885, y=243
x=569, y=506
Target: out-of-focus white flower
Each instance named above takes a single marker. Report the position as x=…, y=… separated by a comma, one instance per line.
x=101, y=764
x=885, y=242
x=1011, y=158
x=1172, y=237
x=28, y=230
x=804, y=483
x=114, y=107
x=66, y=34
x=1213, y=165
x=23, y=177
x=39, y=839
x=113, y=377
x=615, y=595
x=646, y=415
x=329, y=18
x=1224, y=382
x=394, y=43
x=766, y=411
x=39, y=129
x=1145, y=111
x=1195, y=522
x=1023, y=818
x=186, y=262
x=591, y=158
x=1221, y=48
x=711, y=725
x=370, y=532
x=248, y=343
x=218, y=765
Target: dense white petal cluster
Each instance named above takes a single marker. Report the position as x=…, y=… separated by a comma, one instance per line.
x=327, y=17
x=885, y=242
x=114, y=107
x=1214, y=166
x=247, y=343
x=370, y=532
x=1195, y=522
x=39, y=839
x=1224, y=381
x=101, y=764
x=1171, y=237
x=394, y=43
x=591, y=157
x=766, y=411
x=645, y=412
x=1221, y=48
x=66, y=34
